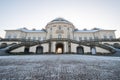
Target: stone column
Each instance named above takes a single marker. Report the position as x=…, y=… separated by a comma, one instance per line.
x=53, y=47
x=69, y=47
x=49, y=47
x=65, y=47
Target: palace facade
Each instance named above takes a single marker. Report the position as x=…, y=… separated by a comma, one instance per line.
x=60, y=36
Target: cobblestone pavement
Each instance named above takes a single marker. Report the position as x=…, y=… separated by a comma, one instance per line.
x=59, y=67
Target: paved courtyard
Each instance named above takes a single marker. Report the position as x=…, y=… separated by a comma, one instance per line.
x=59, y=67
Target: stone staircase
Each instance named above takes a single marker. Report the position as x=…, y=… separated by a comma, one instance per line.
x=86, y=43
x=112, y=50
x=20, y=45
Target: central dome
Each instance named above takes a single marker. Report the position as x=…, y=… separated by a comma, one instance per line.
x=61, y=20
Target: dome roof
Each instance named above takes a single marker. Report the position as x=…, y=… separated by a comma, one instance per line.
x=60, y=20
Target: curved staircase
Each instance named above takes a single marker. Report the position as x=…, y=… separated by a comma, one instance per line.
x=86, y=43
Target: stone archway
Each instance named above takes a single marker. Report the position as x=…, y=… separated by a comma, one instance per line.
x=59, y=48
x=39, y=50
x=80, y=50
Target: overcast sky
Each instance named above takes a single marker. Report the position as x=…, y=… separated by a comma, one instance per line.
x=88, y=14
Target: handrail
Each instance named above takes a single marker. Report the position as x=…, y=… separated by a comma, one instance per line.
x=59, y=39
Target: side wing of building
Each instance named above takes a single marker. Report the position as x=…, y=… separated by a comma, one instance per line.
x=25, y=34
x=94, y=34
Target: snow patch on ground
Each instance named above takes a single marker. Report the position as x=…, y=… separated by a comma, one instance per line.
x=59, y=67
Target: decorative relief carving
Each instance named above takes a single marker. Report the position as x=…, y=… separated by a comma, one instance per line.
x=54, y=25
x=59, y=31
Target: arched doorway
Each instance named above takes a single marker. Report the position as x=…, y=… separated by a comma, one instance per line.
x=93, y=50
x=39, y=50
x=59, y=48
x=80, y=50
x=26, y=49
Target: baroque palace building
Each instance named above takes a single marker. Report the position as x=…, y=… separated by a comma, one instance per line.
x=60, y=36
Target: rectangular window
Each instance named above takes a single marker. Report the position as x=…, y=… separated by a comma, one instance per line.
x=34, y=38
x=85, y=38
x=68, y=28
x=90, y=38
x=105, y=37
x=44, y=38
x=75, y=38
x=39, y=38
x=29, y=38
x=15, y=36
x=96, y=38
x=111, y=37
x=50, y=36
x=23, y=37
x=68, y=36
x=80, y=38
x=9, y=37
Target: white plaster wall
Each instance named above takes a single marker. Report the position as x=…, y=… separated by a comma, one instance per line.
x=33, y=49
x=53, y=46
x=20, y=49
x=45, y=47
x=101, y=50
x=86, y=49
x=73, y=47
x=65, y=47
x=53, y=29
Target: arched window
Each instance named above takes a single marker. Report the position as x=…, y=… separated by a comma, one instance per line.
x=59, y=36
x=50, y=36
x=59, y=27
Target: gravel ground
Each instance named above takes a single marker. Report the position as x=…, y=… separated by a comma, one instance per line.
x=59, y=67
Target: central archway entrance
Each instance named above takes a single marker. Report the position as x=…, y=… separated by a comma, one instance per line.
x=59, y=48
